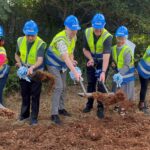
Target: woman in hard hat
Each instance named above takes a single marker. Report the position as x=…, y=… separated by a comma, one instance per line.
x=124, y=60
x=59, y=57
x=144, y=75
x=4, y=68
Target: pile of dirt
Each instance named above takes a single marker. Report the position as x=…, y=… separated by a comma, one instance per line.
x=111, y=99
x=7, y=113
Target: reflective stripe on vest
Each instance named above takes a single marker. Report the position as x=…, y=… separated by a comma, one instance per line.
x=53, y=60
x=144, y=69
x=4, y=70
x=129, y=76
x=98, y=48
x=53, y=56
x=31, y=57
x=144, y=65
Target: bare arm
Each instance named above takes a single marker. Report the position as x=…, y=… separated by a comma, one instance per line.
x=106, y=57
x=89, y=57
x=69, y=64
x=87, y=54
x=105, y=66
x=71, y=56
x=36, y=65
x=18, y=60
x=105, y=62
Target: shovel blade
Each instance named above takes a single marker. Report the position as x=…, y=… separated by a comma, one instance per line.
x=85, y=95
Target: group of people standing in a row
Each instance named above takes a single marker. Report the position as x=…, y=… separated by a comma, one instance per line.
x=31, y=53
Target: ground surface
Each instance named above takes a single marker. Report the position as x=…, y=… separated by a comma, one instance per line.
x=79, y=132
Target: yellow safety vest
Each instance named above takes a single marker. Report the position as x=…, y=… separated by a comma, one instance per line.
x=62, y=36
x=144, y=65
x=53, y=56
x=146, y=57
x=119, y=59
x=98, y=48
x=31, y=58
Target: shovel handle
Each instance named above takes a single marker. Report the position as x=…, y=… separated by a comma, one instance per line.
x=104, y=86
x=82, y=85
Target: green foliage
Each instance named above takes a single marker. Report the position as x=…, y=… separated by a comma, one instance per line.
x=50, y=14
x=142, y=41
x=4, y=10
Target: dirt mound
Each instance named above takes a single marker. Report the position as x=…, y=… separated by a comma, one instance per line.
x=7, y=113
x=79, y=132
x=111, y=99
x=117, y=133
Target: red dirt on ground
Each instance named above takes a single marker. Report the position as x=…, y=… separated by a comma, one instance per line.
x=79, y=132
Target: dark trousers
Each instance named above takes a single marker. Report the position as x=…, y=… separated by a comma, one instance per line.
x=92, y=86
x=2, y=85
x=144, y=85
x=30, y=92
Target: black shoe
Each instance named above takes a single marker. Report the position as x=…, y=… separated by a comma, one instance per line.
x=56, y=119
x=100, y=112
x=87, y=109
x=64, y=113
x=33, y=122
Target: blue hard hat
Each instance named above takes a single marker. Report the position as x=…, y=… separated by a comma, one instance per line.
x=98, y=21
x=122, y=31
x=30, y=28
x=1, y=31
x=72, y=23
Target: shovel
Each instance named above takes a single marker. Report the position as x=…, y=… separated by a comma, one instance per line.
x=106, y=89
x=85, y=94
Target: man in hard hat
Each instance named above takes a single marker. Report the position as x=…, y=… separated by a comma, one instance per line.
x=30, y=53
x=59, y=57
x=97, y=50
x=4, y=68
